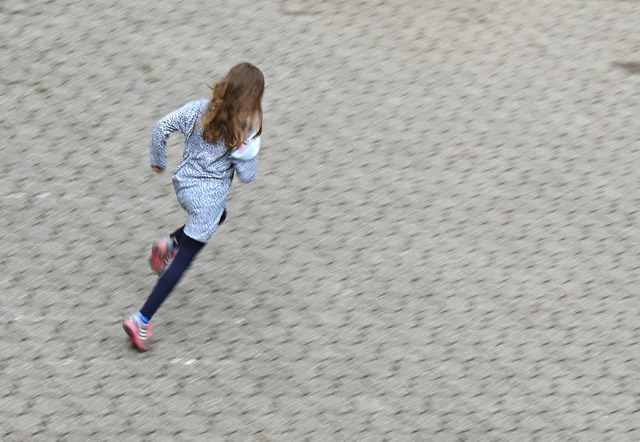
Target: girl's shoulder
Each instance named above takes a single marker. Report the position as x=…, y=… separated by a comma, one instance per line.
x=198, y=106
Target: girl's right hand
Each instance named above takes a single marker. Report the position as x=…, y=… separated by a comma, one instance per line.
x=157, y=170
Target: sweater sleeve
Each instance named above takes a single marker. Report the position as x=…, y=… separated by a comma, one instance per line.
x=245, y=158
x=246, y=170
x=182, y=120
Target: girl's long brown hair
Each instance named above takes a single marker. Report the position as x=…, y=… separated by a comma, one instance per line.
x=235, y=110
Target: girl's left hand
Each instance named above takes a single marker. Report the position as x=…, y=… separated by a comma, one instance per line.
x=157, y=170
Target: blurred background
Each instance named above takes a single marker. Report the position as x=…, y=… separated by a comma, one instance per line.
x=441, y=245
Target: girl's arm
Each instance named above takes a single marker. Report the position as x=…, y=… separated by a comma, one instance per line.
x=180, y=120
x=245, y=158
x=247, y=170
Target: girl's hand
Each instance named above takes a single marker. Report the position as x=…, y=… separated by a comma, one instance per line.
x=157, y=170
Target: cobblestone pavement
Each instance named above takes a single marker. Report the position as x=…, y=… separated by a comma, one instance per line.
x=442, y=244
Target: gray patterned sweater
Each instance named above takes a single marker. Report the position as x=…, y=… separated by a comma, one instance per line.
x=203, y=178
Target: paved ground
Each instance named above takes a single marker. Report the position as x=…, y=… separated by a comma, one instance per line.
x=442, y=244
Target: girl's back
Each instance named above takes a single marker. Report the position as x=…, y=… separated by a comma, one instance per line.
x=201, y=160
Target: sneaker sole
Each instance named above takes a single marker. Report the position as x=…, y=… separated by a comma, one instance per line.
x=133, y=337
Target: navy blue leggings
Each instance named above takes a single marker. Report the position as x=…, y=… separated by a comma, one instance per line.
x=188, y=249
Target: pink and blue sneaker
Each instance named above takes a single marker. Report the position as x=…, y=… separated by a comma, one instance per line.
x=162, y=252
x=138, y=331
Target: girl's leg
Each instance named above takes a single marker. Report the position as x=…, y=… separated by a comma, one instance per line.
x=177, y=236
x=137, y=325
x=187, y=251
